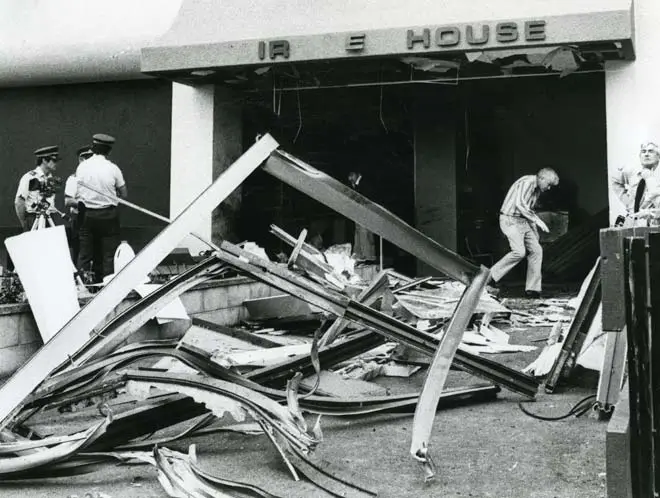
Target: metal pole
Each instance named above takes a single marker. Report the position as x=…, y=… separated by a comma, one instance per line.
x=145, y=211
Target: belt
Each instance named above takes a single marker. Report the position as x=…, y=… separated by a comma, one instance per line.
x=512, y=215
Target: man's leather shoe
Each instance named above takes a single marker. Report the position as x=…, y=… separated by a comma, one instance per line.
x=532, y=294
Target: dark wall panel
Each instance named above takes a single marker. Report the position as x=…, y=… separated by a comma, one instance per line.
x=137, y=113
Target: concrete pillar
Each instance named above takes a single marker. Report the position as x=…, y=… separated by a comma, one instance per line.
x=435, y=169
x=633, y=110
x=206, y=139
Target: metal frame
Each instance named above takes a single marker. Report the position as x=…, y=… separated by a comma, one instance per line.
x=577, y=332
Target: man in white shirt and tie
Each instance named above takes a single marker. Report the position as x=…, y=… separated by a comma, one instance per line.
x=638, y=188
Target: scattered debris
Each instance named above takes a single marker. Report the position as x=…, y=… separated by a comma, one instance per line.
x=250, y=380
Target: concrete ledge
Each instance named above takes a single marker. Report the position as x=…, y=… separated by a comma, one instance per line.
x=13, y=357
x=617, y=443
x=220, y=301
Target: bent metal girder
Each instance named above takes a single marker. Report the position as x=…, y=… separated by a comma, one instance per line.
x=368, y=214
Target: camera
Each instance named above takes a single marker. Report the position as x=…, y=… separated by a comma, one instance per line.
x=46, y=187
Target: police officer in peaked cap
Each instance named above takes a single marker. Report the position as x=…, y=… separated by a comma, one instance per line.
x=71, y=204
x=100, y=184
x=28, y=199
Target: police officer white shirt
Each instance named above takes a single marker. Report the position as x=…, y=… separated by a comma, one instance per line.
x=32, y=197
x=103, y=175
x=71, y=187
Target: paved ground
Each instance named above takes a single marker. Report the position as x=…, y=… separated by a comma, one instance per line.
x=486, y=450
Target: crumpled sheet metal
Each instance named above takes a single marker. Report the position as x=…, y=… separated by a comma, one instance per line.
x=321, y=405
x=16, y=447
x=177, y=478
x=197, y=387
x=182, y=477
x=15, y=465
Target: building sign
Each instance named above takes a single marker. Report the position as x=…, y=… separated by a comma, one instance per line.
x=445, y=37
x=183, y=49
x=475, y=35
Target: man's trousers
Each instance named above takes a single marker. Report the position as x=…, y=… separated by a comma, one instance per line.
x=524, y=242
x=98, y=239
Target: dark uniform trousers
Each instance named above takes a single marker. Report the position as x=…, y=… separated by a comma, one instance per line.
x=72, y=235
x=98, y=239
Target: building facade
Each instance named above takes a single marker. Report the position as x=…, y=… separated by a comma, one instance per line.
x=440, y=105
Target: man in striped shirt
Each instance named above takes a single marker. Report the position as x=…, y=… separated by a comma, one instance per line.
x=520, y=224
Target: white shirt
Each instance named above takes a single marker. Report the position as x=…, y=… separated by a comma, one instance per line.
x=101, y=174
x=624, y=184
x=71, y=187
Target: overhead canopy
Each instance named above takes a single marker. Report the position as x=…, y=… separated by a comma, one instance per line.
x=46, y=42
x=215, y=34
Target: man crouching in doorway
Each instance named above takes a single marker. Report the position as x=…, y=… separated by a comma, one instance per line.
x=520, y=224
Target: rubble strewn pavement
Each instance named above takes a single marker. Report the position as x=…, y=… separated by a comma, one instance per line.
x=268, y=378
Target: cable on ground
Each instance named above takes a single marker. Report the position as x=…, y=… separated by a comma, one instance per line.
x=579, y=409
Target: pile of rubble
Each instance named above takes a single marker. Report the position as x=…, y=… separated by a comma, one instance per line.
x=256, y=375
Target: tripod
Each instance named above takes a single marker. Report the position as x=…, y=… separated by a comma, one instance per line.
x=43, y=219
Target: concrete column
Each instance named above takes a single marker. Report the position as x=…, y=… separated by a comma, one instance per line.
x=192, y=154
x=633, y=110
x=435, y=170
x=206, y=139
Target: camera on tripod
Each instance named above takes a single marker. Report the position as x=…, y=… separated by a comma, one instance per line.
x=47, y=187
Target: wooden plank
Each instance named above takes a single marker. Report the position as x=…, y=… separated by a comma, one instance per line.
x=654, y=353
x=76, y=332
x=638, y=359
x=611, y=249
x=213, y=343
x=265, y=357
x=617, y=450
